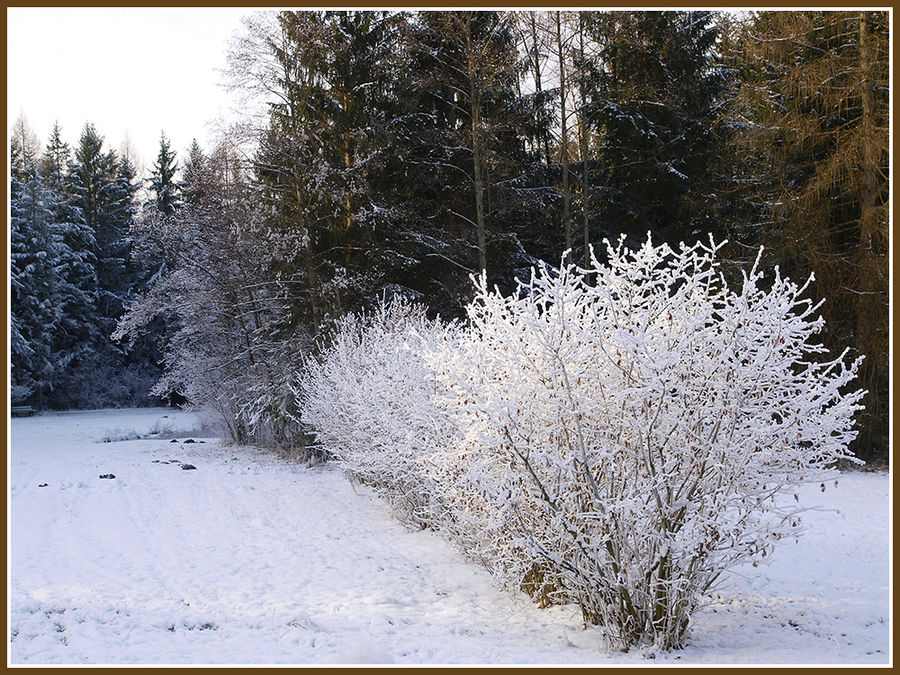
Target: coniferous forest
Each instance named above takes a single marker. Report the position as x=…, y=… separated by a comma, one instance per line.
x=399, y=153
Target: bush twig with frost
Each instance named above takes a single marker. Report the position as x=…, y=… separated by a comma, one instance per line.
x=627, y=428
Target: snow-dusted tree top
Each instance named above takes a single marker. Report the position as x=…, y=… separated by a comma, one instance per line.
x=611, y=436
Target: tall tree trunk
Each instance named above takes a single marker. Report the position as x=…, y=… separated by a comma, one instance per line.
x=475, y=115
x=477, y=177
x=308, y=257
x=868, y=128
x=870, y=259
x=585, y=188
x=347, y=209
x=583, y=141
x=537, y=82
x=564, y=137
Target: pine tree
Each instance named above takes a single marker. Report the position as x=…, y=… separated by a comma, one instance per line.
x=55, y=160
x=476, y=177
x=655, y=108
x=166, y=190
x=96, y=217
x=36, y=255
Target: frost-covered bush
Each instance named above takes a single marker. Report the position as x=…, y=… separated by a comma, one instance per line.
x=368, y=402
x=625, y=429
x=223, y=309
x=613, y=437
x=239, y=374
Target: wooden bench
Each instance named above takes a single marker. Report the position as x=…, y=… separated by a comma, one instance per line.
x=22, y=411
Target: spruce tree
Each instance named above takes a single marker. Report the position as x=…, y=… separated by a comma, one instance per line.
x=36, y=256
x=77, y=298
x=471, y=168
x=195, y=175
x=166, y=190
x=97, y=216
x=327, y=158
x=55, y=160
x=654, y=104
x=106, y=194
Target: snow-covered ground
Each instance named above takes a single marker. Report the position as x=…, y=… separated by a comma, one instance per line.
x=249, y=559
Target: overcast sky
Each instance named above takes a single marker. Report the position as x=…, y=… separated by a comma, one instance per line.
x=131, y=71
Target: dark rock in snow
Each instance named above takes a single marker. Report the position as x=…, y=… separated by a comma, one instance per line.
x=174, y=440
x=107, y=475
x=190, y=440
x=188, y=467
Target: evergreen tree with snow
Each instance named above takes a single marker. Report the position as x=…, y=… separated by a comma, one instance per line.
x=327, y=157
x=96, y=218
x=106, y=194
x=166, y=190
x=54, y=163
x=36, y=255
x=195, y=175
x=78, y=297
x=471, y=178
x=654, y=104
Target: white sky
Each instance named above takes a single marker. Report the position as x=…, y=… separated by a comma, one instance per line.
x=133, y=72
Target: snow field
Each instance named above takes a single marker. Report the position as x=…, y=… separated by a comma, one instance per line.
x=249, y=559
